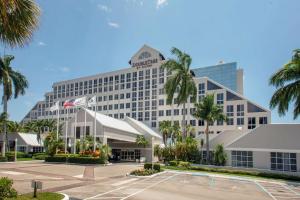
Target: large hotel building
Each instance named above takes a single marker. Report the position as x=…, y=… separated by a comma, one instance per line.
x=138, y=92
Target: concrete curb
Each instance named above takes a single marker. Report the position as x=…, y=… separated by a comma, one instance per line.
x=66, y=197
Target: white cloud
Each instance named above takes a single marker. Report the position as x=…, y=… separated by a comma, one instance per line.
x=161, y=3
x=113, y=24
x=64, y=69
x=103, y=8
x=41, y=43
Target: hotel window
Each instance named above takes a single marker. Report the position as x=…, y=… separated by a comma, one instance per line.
x=141, y=85
x=193, y=122
x=127, y=95
x=128, y=77
x=154, y=104
x=110, y=97
x=116, y=78
x=201, y=90
x=251, y=122
x=99, y=108
x=105, y=107
x=141, y=75
x=161, y=91
x=110, y=107
x=200, y=122
x=240, y=121
x=161, y=113
x=242, y=159
x=147, y=84
x=116, y=106
x=184, y=111
x=153, y=117
x=128, y=114
x=161, y=102
x=220, y=98
x=140, y=116
x=122, y=96
x=134, y=76
x=263, y=120
x=230, y=113
x=133, y=96
x=283, y=161
x=121, y=115
x=176, y=112
x=111, y=79
x=110, y=88
x=105, y=98
x=147, y=73
x=128, y=85
x=147, y=116
x=154, y=83
x=127, y=105
x=116, y=87
x=122, y=106
x=147, y=95
x=116, y=116
x=168, y=112
x=133, y=106
x=122, y=78
x=192, y=111
x=141, y=95
x=153, y=124
x=116, y=96
x=140, y=105
x=161, y=80
x=133, y=115
x=161, y=71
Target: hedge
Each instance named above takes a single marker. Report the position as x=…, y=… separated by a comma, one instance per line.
x=39, y=156
x=19, y=154
x=156, y=166
x=3, y=159
x=73, y=159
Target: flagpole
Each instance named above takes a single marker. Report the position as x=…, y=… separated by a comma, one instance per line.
x=57, y=122
x=95, y=126
x=84, y=131
x=66, y=144
x=75, y=130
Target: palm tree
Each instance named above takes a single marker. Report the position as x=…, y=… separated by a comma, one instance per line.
x=141, y=140
x=10, y=80
x=176, y=133
x=210, y=112
x=18, y=20
x=14, y=127
x=181, y=80
x=190, y=130
x=165, y=129
x=287, y=82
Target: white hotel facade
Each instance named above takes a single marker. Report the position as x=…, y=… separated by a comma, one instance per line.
x=137, y=92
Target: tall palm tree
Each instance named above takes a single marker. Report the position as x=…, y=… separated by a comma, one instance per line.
x=176, y=133
x=14, y=127
x=18, y=20
x=165, y=129
x=181, y=80
x=14, y=84
x=210, y=112
x=287, y=82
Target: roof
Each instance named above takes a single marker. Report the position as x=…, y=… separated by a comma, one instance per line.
x=225, y=137
x=281, y=137
x=144, y=127
x=112, y=122
x=30, y=139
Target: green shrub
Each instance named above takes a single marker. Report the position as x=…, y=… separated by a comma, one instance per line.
x=39, y=156
x=156, y=166
x=6, y=189
x=19, y=154
x=143, y=172
x=55, y=159
x=173, y=163
x=86, y=160
x=182, y=164
x=3, y=159
x=220, y=157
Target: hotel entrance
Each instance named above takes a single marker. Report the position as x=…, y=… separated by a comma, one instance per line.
x=126, y=155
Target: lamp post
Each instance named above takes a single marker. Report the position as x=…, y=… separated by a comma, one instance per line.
x=16, y=141
x=152, y=151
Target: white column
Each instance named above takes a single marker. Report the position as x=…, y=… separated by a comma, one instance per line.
x=66, y=143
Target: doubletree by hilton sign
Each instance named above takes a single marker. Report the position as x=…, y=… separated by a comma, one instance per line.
x=144, y=60
x=146, y=63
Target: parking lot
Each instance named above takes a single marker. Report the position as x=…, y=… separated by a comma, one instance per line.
x=111, y=182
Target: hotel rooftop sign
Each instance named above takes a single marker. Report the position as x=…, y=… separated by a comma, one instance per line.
x=146, y=57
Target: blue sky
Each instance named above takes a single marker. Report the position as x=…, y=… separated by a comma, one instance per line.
x=83, y=37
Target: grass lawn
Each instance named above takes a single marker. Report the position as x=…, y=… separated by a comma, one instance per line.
x=41, y=196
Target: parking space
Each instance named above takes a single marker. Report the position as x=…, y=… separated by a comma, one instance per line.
x=111, y=182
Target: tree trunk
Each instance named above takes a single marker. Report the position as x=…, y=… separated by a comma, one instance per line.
x=207, y=142
x=4, y=124
x=183, y=123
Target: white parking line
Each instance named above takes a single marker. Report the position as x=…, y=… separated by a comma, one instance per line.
x=150, y=186
x=264, y=189
x=12, y=173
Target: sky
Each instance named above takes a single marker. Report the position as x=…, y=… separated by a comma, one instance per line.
x=77, y=38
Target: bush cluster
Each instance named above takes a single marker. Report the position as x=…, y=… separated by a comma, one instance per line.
x=72, y=158
x=39, y=156
x=143, y=172
x=156, y=166
x=3, y=159
x=181, y=164
x=6, y=189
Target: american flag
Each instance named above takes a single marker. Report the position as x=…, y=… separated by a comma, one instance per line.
x=69, y=103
